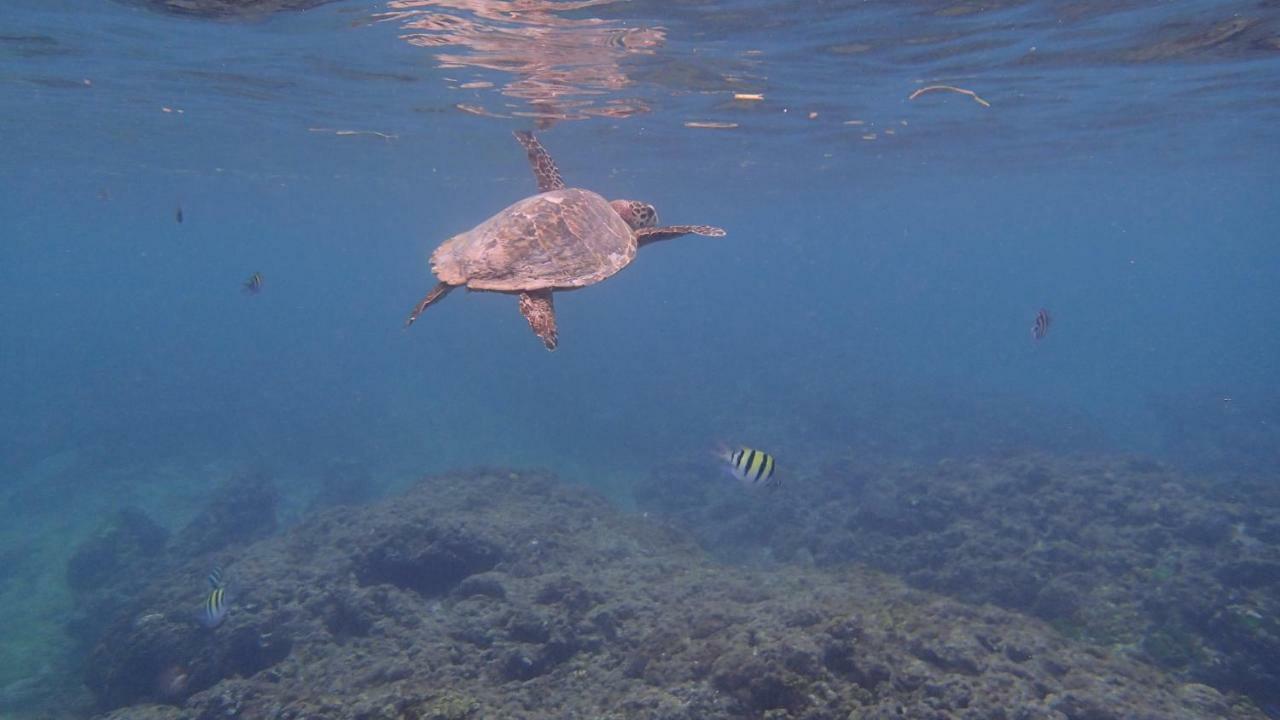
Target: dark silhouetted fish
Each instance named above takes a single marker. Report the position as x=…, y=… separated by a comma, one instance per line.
x=177, y=215
x=1040, y=327
x=253, y=285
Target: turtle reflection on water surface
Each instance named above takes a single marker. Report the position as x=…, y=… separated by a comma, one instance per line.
x=561, y=239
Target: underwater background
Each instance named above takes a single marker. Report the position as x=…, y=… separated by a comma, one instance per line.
x=873, y=300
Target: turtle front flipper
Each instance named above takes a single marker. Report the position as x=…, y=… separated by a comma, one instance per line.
x=644, y=236
x=544, y=168
x=537, y=308
x=437, y=292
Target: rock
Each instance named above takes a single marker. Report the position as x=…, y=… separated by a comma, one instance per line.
x=468, y=598
x=241, y=510
x=120, y=550
x=108, y=567
x=428, y=559
x=485, y=584
x=344, y=484
x=1115, y=550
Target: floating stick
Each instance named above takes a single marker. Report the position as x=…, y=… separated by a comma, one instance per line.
x=710, y=125
x=951, y=88
x=375, y=133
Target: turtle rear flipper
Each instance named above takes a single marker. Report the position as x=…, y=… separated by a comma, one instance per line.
x=437, y=292
x=538, y=309
x=544, y=168
x=644, y=236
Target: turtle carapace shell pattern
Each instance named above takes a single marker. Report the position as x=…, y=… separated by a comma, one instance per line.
x=560, y=239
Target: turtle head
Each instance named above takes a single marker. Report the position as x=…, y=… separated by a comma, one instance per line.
x=635, y=213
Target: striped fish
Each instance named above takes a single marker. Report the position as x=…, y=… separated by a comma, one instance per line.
x=215, y=577
x=253, y=285
x=1040, y=327
x=751, y=467
x=215, y=608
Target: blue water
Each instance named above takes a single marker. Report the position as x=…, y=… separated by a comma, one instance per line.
x=876, y=289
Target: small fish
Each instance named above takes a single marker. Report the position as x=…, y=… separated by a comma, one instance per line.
x=253, y=285
x=215, y=577
x=751, y=467
x=1040, y=327
x=215, y=608
x=177, y=215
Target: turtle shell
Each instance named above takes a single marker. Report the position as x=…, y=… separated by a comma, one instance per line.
x=560, y=239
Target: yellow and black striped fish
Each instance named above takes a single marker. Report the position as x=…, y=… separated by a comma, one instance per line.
x=752, y=467
x=215, y=608
x=253, y=285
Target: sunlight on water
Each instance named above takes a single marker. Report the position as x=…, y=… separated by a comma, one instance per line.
x=558, y=62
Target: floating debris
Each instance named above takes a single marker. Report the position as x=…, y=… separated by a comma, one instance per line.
x=476, y=110
x=375, y=133
x=849, y=49
x=949, y=88
x=708, y=125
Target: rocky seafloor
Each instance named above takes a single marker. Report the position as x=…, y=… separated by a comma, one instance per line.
x=1182, y=571
x=501, y=595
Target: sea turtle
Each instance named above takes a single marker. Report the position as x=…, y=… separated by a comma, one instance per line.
x=560, y=239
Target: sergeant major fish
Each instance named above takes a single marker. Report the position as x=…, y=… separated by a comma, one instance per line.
x=751, y=467
x=215, y=577
x=215, y=608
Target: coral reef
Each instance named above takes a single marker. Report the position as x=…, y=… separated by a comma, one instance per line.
x=344, y=482
x=129, y=550
x=126, y=542
x=106, y=567
x=501, y=595
x=1181, y=571
x=241, y=509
